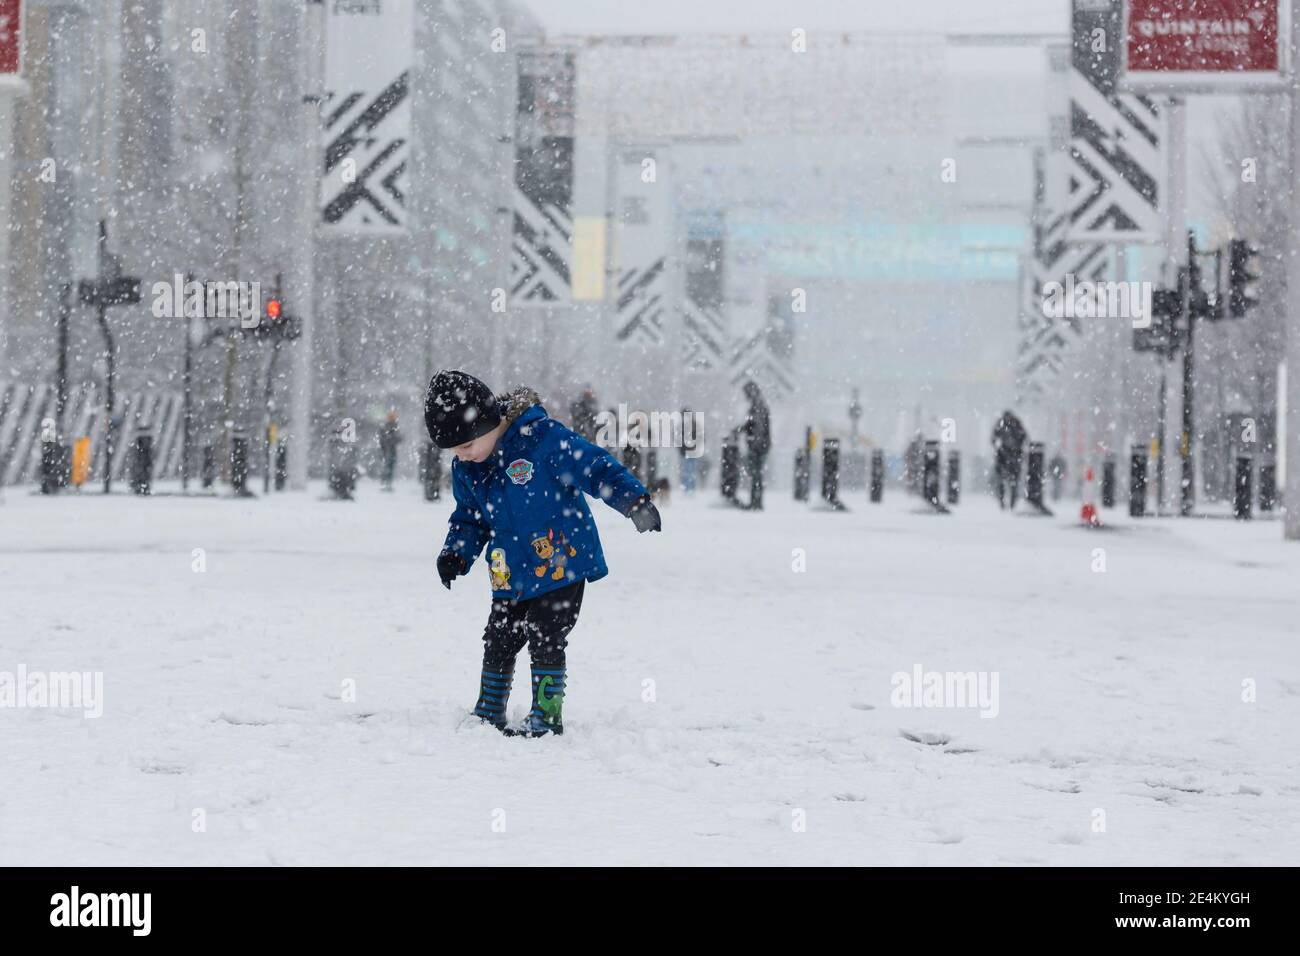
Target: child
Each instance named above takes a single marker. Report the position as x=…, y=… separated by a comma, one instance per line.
x=518, y=478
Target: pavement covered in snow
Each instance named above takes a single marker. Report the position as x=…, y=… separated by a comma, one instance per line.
x=722, y=708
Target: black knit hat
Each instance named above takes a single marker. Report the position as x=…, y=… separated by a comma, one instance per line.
x=459, y=408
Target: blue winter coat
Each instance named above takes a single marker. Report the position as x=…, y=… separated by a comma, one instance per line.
x=525, y=502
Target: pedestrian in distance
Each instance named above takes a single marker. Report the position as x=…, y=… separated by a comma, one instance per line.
x=519, y=478
x=390, y=436
x=1009, y=437
x=582, y=414
x=757, y=430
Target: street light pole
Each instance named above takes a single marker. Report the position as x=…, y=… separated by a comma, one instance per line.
x=1291, y=526
x=61, y=388
x=187, y=391
x=302, y=285
x=1187, y=499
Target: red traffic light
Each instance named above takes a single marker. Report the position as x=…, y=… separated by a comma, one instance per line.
x=273, y=309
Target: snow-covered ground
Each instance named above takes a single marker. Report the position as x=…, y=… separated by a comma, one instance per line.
x=722, y=707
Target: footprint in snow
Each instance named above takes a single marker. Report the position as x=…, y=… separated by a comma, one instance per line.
x=157, y=766
x=924, y=737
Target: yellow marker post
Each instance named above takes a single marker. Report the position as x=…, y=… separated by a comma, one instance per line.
x=80, y=461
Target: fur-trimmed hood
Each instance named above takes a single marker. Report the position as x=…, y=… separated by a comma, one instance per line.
x=516, y=401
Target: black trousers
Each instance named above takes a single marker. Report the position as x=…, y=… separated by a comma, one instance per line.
x=756, y=462
x=543, y=623
x=1008, y=485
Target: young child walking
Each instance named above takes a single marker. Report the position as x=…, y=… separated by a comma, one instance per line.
x=518, y=478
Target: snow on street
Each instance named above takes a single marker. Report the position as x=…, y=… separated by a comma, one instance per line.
x=769, y=739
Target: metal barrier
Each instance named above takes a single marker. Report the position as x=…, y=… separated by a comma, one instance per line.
x=239, y=464
x=1137, y=481
x=141, y=463
x=1108, y=482
x=1267, y=487
x=729, y=472
x=831, y=473
x=1034, y=475
x=802, y=478
x=930, y=473
x=1241, y=489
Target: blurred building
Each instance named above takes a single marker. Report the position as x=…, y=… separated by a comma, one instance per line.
x=175, y=121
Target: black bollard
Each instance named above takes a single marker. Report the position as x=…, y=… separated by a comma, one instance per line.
x=831, y=473
x=803, y=467
x=142, y=463
x=64, y=474
x=930, y=473
x=954, y=477
x=1137, y=481
x=1034, y=475
x=239, y=465
x=877, y=475
x=431, y=472
x=49, y=467
x=729, y=473
x=1241, y=499
x=801, y=476
x=281, y=466
x=343, y=468
x=1267, y=488
x=1108, y=482
x=209, y=466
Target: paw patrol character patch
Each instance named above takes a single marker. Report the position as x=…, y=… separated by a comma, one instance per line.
x=520, y=471
x=500, y=570
x=555, y=551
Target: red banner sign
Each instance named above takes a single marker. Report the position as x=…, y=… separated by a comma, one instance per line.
x=1203, y=43
x=11, y=19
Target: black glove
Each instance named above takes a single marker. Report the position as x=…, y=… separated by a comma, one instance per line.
x=645, y=515
x=450, y=566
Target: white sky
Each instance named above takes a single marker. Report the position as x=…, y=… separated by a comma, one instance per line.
x=739, y=16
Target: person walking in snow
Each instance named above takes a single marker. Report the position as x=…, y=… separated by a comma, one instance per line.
x=390, y=436
x=519, y=477
x=757, y=430
x=1008, y=446
x=582, y=414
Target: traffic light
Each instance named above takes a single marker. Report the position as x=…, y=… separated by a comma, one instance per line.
x=1163, y=335
x=276, y=325
x=1242, y=276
